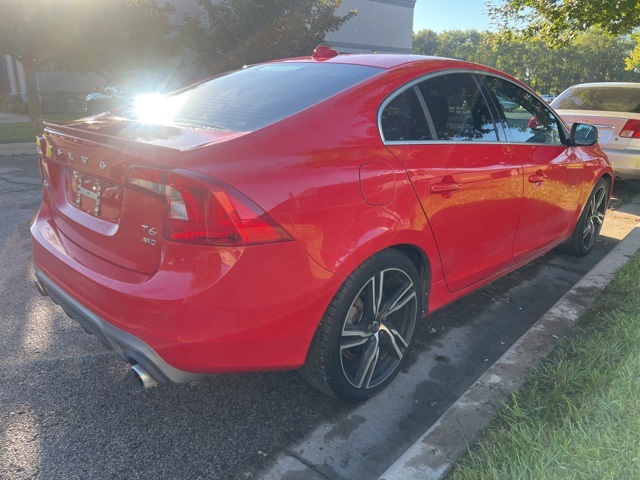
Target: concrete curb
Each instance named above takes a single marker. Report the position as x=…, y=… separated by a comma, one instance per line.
x=10, y=149
x=433, y=455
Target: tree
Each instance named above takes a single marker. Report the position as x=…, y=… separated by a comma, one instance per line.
x=242, y=32
x=590, y=57
x=425, y=42
x=557, y=22
x=79, y=35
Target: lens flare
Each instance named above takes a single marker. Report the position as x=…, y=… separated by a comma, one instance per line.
x=157, y=109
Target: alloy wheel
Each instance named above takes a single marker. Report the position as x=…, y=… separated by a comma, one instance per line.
x=378, y=328
x=595, y=217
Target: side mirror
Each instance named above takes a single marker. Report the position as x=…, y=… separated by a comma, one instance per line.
x=583, y=134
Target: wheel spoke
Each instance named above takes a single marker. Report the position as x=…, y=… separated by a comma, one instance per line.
x=598, y=199
x=395, y=338
x=377, y=283
x=403, y=294
x=598, y=217
x=592, y=205
x=589, y=234
x=354, y=335
x=367, y=366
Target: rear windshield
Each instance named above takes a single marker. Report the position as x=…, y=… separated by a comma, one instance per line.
x=252, y=98
x=609, y=99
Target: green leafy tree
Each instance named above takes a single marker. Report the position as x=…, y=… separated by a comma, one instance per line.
x=591, y=56
x=556, y=22
x=102, y=36
x=462, y=44
x=425, y=42
x=242, y=32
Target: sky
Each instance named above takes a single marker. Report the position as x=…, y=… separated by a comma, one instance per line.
x=440, y=15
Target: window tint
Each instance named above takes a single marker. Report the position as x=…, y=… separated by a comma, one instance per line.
x=610, y=99
x=527, y=118
x=403, y=119
x=457, y=108
x=255, y=97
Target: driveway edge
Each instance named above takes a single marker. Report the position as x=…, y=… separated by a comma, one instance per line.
x=11, y=149
x=433, y=455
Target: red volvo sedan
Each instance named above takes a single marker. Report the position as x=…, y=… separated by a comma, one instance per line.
x=306, y=213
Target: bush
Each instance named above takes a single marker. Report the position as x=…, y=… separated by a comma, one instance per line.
x=13, y=104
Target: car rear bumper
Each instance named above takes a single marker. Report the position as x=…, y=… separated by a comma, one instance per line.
x=255, y=311
x=626, y=163
x=127, y=346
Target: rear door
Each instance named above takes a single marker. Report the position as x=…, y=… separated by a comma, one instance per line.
x=467, y=177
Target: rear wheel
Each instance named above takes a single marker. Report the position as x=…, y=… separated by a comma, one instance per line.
x=587, y=230
x=367, y=331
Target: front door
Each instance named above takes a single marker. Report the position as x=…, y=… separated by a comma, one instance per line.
x=553, y=172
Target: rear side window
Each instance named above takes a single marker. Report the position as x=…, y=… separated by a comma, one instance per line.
x=403, y=119
x=252, y=98
x=610, y=99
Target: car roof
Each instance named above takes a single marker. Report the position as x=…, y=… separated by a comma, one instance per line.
x=607, y=84
x=380, y=60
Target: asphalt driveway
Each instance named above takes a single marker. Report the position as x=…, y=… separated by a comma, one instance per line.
x=71, y=409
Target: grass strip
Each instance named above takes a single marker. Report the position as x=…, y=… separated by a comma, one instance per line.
x=17, y=132
x=578, y=415
x=20, y=132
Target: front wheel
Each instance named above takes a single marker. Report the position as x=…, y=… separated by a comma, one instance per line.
x=367, y=331
x=587, y=230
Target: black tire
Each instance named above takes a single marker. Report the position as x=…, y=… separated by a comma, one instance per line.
x=367, y=331
x=587, y=230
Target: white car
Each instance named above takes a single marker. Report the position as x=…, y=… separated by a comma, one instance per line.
x=614, y=108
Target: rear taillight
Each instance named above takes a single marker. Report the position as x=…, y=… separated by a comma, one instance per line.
x=207, y=213
x=631, y=129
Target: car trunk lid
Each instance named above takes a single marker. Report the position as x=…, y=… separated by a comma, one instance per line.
x=92, y=203
x=609, y=127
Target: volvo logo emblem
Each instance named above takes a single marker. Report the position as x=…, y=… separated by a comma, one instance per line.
x=85, y=160
x=102, y=165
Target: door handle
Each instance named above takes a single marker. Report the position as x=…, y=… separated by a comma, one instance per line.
x=537, y=177
x=445, y=187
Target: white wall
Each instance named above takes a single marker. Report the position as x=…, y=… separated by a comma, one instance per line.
x=383, y=26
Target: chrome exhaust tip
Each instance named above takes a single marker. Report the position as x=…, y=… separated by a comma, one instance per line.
x=40, y=288
x=143, y=377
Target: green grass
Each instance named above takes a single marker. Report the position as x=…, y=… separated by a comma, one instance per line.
x=17, y=132
x=578, y=416
x=24, y=131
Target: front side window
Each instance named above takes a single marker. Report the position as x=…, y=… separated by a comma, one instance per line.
x=528, y=120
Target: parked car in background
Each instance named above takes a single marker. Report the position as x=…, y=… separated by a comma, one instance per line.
x=507, y=105
x=547, y=97
x=122, y=88
x=614, y=108
x=306, y=213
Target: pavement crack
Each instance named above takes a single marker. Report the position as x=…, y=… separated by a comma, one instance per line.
x=26, y=189
x=310, y=465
